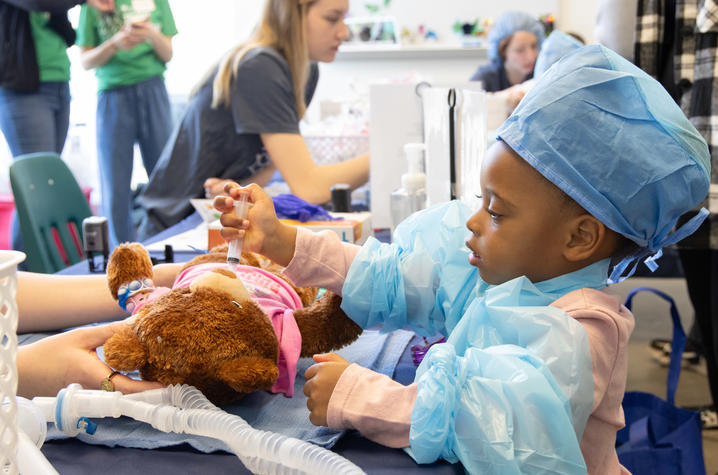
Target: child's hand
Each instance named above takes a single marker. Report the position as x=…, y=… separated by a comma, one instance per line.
x=262, y=231
x=214, y=187
x=321, y=380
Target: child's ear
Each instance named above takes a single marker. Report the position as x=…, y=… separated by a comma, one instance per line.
x=586, y=239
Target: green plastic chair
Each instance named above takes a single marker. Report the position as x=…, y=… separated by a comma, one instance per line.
x=50, y=207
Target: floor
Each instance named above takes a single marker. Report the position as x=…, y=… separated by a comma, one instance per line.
x=644, y=374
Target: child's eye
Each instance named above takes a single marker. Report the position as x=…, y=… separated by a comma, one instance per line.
x=494, y=215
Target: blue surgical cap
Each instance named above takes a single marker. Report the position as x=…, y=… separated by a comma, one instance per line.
x=508, y=24
x=556, y=45
x=611, y=138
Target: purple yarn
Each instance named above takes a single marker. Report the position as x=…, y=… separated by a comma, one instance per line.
x=419, y=351
x=290, y=206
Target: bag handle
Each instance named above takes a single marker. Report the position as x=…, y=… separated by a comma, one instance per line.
x=678, y=343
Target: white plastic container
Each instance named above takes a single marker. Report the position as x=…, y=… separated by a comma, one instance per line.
x=411, y=197
x=8, y=360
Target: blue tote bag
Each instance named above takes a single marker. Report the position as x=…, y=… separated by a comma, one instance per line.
x=660, y=438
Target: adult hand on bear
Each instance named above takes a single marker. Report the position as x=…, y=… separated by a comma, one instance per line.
x=48, y=365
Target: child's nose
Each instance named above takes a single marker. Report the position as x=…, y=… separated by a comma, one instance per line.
x=472, y=224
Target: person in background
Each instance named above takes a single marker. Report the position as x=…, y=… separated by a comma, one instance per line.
x=129, y=50
x=242, y=122
x=533, y=372
x=56, y=302
x=35, y=75
x=514, y=42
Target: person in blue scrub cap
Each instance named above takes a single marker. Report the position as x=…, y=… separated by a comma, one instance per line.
x=554, y=48
x=513, y=45
x=587, y=178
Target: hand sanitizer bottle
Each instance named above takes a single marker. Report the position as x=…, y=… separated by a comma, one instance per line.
x=411, y=197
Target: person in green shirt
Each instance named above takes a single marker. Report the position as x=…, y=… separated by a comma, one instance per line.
x=34, y=77
x=35, y=73
x=128, y=48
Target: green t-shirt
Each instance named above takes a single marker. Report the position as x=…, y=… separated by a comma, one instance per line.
x=131, y=66
x=50, y=49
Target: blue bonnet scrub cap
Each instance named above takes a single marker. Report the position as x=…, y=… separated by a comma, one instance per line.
x=553, y=48
x=508, y=24
x=611, y=138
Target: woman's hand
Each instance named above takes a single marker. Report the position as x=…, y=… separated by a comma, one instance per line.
x=261, y=230
x=141, y=31
x=321, y=380
x=123, y=40
x=48, y=365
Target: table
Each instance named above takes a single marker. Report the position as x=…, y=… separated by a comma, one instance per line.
x=73, y=457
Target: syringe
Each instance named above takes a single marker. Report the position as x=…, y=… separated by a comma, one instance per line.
x=235, y=245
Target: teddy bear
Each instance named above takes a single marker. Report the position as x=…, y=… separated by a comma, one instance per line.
x=226, y=332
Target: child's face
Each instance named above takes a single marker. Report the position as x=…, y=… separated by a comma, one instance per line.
x=521, y=227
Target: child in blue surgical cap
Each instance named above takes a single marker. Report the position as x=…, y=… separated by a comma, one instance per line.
x=587, y=178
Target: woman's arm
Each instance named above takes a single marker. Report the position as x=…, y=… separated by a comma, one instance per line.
x=99, y=55
x=54, y=302
x=306, y=179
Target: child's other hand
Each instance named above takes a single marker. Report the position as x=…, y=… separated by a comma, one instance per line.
x=262, y=231
x=321, y=380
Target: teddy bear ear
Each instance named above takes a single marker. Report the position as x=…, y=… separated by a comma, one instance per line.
x=124, y=351
x=248, y=373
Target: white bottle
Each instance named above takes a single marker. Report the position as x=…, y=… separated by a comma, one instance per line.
x=411, y=197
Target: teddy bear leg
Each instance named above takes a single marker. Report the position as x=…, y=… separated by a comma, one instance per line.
x=124, y=351
x=324, y=326
x=248, y=373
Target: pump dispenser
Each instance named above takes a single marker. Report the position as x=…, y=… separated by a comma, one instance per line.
x=411, y=197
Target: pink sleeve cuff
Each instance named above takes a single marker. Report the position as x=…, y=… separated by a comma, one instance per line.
x=375, y=405
x=320, y=260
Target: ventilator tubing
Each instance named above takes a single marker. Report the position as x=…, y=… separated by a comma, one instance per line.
x=32, y=429
x=184, y=409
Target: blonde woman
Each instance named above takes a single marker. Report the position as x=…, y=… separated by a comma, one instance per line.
x=242, y=122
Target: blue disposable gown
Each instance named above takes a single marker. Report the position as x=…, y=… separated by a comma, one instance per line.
x=512, y=388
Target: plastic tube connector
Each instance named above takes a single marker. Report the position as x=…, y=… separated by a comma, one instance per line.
x=241, y=207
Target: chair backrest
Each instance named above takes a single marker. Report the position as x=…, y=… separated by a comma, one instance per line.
x=50, y=206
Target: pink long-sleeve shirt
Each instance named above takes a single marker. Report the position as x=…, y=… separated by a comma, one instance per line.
x=380, y=408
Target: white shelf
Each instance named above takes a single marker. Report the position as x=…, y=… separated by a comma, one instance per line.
x=430, y=51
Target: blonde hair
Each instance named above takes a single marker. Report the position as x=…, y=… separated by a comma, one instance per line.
x=282, y=28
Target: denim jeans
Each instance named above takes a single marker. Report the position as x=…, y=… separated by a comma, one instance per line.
x=34, y=122
x=126, y=115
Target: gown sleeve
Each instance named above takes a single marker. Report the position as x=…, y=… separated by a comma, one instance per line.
x=422, y=281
